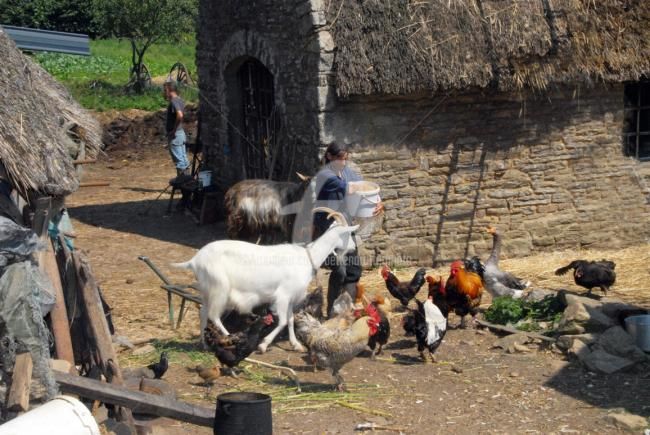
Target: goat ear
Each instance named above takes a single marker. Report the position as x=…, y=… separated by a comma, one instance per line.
x=303, y=177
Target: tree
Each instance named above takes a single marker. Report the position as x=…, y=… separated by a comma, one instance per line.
x=61, y=15
x=143, y=23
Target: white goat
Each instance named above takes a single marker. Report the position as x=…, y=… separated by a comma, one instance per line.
x=238, y=275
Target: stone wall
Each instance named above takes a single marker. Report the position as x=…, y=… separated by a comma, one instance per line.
x=287, y=37
x=549, y=172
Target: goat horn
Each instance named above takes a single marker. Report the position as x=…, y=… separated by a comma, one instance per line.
x=338, y=216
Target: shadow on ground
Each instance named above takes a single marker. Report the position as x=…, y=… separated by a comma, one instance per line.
x=148, y=218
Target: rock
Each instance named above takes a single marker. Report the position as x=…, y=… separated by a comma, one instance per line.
x=538, y=294
x=569, y=298
x=508, y=342
x=580, y=317
x=565, y=342
x=129, y=281
x=618, y=342
x=520, y=348
x=144, y=350
x=603, y=362
x=579, y=349
x=513, y=374
x=625, y=420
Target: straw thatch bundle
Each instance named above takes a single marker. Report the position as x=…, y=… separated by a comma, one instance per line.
x=405, y=46
x=41, y=127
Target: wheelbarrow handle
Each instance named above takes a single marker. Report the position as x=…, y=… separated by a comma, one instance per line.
x=155, y=269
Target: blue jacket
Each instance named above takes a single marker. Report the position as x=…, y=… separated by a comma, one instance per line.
x=331, y=190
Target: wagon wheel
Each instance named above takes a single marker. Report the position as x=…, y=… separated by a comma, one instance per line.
x=145, y=77
x=180, y=73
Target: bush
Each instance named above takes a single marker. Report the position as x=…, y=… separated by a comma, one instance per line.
x=60, y=15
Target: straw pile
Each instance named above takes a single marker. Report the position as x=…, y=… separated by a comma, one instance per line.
x=405, y=46
x=41, y=127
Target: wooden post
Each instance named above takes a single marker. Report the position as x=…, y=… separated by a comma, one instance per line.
x=48, y=265
x=98, y=327
x=135, y=400
x=18, y=400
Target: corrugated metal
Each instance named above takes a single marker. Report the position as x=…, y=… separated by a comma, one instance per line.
x=46, y=40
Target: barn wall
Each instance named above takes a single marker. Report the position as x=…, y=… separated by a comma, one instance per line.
x=549, y=172
x=288, y=38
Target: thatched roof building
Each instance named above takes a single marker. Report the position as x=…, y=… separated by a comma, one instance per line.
x=41, y=127
x=533, y=115
x=400, y=47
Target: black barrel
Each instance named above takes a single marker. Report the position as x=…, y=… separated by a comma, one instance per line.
x=242, y=413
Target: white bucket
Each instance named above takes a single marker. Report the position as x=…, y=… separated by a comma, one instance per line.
x=363, y=201
x=63, y=415
x=205, y=178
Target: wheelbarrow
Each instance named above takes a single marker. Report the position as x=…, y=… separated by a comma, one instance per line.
x=187, y=292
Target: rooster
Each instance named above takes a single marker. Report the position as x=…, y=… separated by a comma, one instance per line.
x=402, y=291
x=590, y=274
x=383, y=329
x=463, y=291
x=429, y=322
x=160, y=368
x=231, y=349
x=334, y=347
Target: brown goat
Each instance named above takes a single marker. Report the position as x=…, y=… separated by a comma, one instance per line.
x=253, y=210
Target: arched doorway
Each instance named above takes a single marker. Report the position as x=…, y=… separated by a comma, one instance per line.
x=259, y=121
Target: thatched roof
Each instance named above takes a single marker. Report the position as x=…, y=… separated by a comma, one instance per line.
x=405, y=46
x=41, y=126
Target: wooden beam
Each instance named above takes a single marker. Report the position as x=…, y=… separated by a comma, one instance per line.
x=98, y=326
x=94, y=184
x=18, y=400
x=135, y=400
x=510, y=330
x=58, y=315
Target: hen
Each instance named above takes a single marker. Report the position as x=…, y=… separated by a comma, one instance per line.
x=429, y=322
x=334, y=347
x=231, y=349
x=496, y=281
x=463, y=291
x=590, y=274
x=403, y=291
x=160, y=368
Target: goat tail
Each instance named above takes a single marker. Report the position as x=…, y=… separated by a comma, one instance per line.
x=185, y=265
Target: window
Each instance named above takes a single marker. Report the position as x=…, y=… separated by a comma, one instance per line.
x=636, y=130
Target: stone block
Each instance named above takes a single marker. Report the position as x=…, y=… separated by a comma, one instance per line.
x=604, y=362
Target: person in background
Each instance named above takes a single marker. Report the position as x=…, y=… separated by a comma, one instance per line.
x=175, y=134
x=332, y=185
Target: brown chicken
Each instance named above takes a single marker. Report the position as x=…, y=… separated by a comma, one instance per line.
x=463, y=291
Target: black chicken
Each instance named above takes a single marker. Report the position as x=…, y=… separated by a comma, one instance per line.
x=590, y=274
x=231, y=349
x=403, y=291
x=383, y=328
x=160, y=367
x=429, y=322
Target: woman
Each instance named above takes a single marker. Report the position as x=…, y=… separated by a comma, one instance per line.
x=332, y=185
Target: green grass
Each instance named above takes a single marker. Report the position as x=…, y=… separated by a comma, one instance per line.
x=98, y=81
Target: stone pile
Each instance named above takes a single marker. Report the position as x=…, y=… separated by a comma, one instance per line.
x=593, y=332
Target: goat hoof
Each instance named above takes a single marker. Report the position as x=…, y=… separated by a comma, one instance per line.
x=262, y=348
x=299, y=348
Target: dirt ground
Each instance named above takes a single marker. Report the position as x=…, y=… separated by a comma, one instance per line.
x=472, y=389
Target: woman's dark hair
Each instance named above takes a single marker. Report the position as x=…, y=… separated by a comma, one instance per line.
x=335, y=150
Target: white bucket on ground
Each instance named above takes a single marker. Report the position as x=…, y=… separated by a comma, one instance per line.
x=205, y=178
x=363, y=201
x=63, y=415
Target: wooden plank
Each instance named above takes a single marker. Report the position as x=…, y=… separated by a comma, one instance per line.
x=94, y=184
x=18, y=400
x=58, y=315
x=98, y=327
x=135, y=400
x=510, y=330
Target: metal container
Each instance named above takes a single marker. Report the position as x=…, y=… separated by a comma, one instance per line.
x=639, y=328
x=243, y=413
